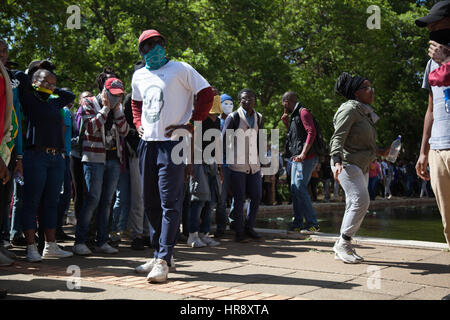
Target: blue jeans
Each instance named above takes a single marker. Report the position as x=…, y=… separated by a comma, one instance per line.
x=16, y=215
x=221, y=211
x=101, y=183
x=43, y=175
x=162, y=189
x=203, y=210
x=373, y=183
x=243, y=184
x=64, y=198
x=301, y=201
x=122, y=204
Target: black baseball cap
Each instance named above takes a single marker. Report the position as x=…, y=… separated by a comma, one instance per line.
x=439, y=11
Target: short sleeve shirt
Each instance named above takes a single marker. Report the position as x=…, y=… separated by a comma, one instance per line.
x=440, y=131
x=167, y=96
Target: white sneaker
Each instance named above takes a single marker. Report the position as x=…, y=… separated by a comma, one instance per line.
x=106, y=248
x=344, y=251
x=81, y=249
x=7, y=244
x=357, y=257
x=194, y=241
x=148, y=266
x=207, y=240
x=159, y=272
x=52, y=250
x=5, y=261
x=33, y=254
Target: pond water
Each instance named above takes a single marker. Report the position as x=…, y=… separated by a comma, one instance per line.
x=404, y=223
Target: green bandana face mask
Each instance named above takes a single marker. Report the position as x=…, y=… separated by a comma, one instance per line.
x=155, y=58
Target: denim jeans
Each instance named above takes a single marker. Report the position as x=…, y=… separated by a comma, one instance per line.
x=16, y=214
x=122, y=204
x=64, y=198
x=221, y=210
x=301, y=201
x=162, y=187
x=202, y=210
x=373, y=183
x=43, y=175
x=243, y=184
x=101, y=183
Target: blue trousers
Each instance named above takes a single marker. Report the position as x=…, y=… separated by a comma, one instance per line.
x=101, y=183
x=43, y=176
x=162, y=190
x=123, y=203
x=243, y=184
x=301, y=202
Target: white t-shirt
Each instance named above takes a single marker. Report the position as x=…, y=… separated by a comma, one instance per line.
x=167, y=96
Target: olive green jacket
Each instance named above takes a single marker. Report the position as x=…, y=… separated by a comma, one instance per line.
x=354, y=138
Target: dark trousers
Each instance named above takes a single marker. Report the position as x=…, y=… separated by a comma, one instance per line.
x=64, y=198
x=76, y=170
x=163, y=193
x=243, y=184
x=43, y=176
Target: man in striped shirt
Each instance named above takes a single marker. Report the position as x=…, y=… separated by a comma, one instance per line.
x=103, y=124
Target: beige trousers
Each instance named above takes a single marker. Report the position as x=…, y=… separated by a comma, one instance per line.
x=440, y=182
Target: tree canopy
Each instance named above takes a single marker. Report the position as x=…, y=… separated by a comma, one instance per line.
x=271, y=46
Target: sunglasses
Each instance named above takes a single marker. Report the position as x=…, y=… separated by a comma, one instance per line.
x=148, y=44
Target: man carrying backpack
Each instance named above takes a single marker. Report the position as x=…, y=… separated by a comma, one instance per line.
x=301, y=152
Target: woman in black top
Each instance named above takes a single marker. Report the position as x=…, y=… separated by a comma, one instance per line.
x=43, y=162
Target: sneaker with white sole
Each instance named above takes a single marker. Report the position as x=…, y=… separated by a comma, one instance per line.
x=81, y=249
x=106, y=248
x=207, y=240
x=194, y=241
x=33, y=253
x=52, y=250
x=344, y=251
x=159, y=271
x=148, y=266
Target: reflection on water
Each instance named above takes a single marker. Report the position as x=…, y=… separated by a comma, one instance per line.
x=406, y=223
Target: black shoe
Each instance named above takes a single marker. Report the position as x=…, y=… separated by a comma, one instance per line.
x=3, y=293
x=232, y=225
x=219, y=233
x=137, y=244
x=147, y=241
x=181, y=238
x=240, y=237
x=62, y=236
x=253, y=234
x=19, y=242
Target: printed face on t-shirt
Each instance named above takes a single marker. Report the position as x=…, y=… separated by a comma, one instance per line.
x=154, y=98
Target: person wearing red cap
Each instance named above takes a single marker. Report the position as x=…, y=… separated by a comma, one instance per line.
x=162, y=100
x=103, y=124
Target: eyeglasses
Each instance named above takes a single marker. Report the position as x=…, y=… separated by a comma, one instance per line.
x=150, y=43
x=368, y=87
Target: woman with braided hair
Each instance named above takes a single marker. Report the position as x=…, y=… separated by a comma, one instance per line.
x=353, y=148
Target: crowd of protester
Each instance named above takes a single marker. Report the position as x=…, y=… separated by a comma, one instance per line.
x=112, y=153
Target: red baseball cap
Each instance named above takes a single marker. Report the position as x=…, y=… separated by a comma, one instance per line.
x=114, y=85
x=147, y=34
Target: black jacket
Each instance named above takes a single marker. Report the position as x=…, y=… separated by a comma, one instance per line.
x=297, y=134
